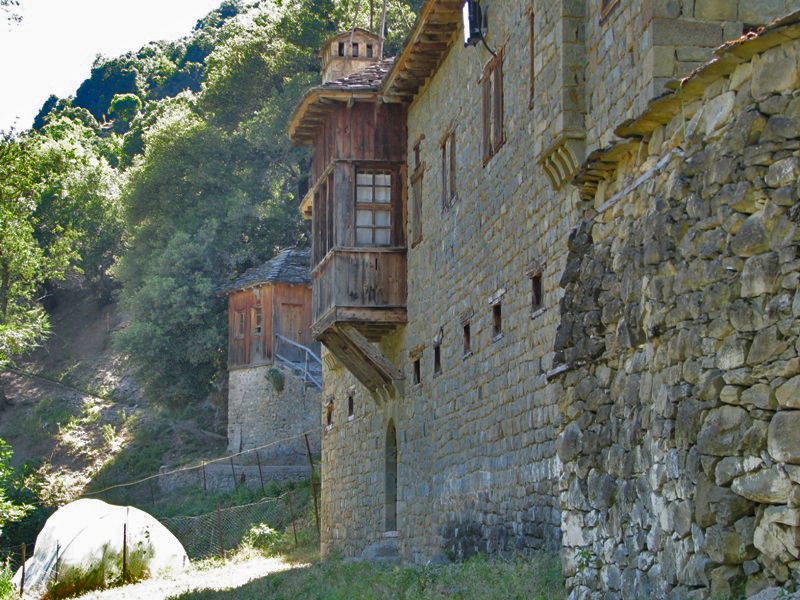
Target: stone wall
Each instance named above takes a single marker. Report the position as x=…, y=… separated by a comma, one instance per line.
x=679, y=337
x=478, y=469
x=224, y=477
x=641, y=46
x=258, y=414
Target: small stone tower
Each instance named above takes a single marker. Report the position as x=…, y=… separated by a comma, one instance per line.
x=349, y=52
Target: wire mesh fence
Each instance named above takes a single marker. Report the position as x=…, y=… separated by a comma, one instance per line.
x=250, y=495
x=221, y=531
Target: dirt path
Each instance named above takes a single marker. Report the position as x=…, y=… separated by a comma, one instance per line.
x=228, y=576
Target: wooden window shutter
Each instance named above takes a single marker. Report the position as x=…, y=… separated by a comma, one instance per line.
x=486, y=87
x=498, y=105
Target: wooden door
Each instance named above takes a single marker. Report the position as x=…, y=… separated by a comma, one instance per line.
x=293, y=322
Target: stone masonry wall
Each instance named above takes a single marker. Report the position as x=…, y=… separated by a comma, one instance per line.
x=477, y=463
x=640, y=46
x=258, y=414
x=681, y=430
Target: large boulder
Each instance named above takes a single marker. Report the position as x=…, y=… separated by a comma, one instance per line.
x=81, y=548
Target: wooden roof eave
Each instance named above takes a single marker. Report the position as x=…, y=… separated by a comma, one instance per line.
x=429, y=41
x=311, y=111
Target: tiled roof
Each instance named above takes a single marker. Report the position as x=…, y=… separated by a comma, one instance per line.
x=292, y=265
x=369, y=79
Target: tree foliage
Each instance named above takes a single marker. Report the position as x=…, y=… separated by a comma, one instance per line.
x=168, y=173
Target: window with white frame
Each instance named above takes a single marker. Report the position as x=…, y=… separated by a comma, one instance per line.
x=373, y=207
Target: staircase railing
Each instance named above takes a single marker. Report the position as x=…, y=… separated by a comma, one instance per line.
x=309, y=365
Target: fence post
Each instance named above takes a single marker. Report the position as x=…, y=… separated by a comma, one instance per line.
x=260, y=474
x=313, y=485
x=58, y=553
x=205, y=485
x=125, y=550
x=291, y=514
x=219, y=529
x=22, y=581
x=233, y=474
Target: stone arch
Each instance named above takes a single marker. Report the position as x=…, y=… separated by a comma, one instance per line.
x=390, y=478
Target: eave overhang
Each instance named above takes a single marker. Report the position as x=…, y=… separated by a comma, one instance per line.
x=313, y=109
x=427, y=45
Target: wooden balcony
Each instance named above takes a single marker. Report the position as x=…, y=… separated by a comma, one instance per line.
x=359, y=295
x=361, y=287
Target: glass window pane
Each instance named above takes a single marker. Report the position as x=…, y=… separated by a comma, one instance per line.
x=384, y=179
x=383, y=218
x=363, y=178
x=383, y=195
x=364, y=217
x=364, y=194
x=382, y=237
x=363, y=236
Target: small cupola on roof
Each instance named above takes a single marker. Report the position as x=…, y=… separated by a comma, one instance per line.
x=348, y=53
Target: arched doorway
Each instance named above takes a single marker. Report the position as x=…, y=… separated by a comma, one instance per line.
x=391, y=478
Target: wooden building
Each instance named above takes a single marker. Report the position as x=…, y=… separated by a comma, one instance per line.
x=265, y=305
x=358, y=203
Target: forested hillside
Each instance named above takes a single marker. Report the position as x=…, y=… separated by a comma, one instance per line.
x=168, y=173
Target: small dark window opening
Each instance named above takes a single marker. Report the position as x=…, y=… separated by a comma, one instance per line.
x=437, y=359
x=369, y=50
x=341, y=48
x=350, y=410
x=537, y=295
x=355, y=49
x=417, y=371
x=497, y=319
x=329, y=415
x=467, y=340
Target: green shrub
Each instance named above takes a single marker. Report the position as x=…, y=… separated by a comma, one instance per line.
x=276, y=378
x=7, y=589
x=262, y=537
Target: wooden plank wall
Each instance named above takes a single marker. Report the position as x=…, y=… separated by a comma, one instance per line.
x=241, y=350
x=364, y=131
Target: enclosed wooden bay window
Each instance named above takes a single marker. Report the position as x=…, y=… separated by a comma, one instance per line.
x=373, y=207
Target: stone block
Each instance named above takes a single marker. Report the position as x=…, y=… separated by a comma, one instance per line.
x=729, y=430
x=775, y=71
x=716, y=10
x=788, y=393
x=783, y=172
x=760, y=11
x=767, y=486
x=718, y=111
x=760, y=275
x=783, y=438
x=679, y=32
x=751, y=239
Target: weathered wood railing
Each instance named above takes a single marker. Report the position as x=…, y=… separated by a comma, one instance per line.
x=369, y=277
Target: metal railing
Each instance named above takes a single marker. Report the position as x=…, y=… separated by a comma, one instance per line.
x=308, y=365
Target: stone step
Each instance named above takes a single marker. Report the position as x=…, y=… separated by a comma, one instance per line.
x=387, y=550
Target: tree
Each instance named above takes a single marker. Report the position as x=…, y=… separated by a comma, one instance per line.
x=196, y=210
x=10, y=510
x=123, y=109
x=25, y=263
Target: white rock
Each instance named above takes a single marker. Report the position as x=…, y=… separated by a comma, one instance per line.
x=84, y=533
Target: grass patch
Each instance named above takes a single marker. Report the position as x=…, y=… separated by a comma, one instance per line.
x=537, y=578
x=46, y=418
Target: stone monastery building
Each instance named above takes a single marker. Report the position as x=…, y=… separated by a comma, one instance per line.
x=557, y=288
